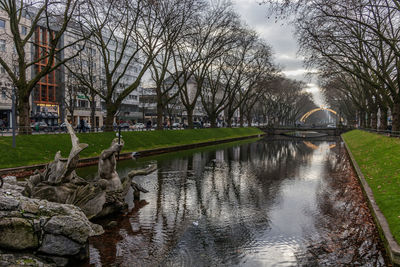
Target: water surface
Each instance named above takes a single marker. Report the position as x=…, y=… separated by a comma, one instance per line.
x=263, y=203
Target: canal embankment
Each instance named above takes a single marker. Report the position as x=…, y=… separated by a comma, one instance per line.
x=35, y=151
x=376, y=159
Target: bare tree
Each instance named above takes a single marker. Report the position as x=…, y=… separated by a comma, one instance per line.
x=125, y=34
x=211, y=35
x=361, y=39
x=178, y=16
x=22, y=71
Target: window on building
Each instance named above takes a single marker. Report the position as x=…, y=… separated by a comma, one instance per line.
x=2, y=45
x=23, y=30
x=83, y=104
x=2, y=23
x=24, y=13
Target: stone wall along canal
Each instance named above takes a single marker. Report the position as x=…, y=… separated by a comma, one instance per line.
x=260, y=203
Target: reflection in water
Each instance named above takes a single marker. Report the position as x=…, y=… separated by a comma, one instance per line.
x=264, y=203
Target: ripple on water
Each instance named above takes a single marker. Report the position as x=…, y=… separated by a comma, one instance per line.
x=260, y=204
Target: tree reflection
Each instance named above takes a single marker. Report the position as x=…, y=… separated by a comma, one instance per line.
x=210, y=207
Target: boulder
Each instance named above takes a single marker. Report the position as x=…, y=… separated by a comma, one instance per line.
x=71, y=226
x=21, y=259
x=59, y=245
x=7, y=203
x=17, y=234
x=54, y=232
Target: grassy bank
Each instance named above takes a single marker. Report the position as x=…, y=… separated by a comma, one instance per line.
x=379, y=159
x=36, y=149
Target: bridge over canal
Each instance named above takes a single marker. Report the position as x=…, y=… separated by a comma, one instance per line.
x=282, y=130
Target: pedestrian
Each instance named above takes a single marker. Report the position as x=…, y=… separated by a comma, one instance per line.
x=148, y=125
x=81, y=126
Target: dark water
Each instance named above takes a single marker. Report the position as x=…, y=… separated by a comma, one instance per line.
x=263, y=203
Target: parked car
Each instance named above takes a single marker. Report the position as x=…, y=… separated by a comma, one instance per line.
x=176, y=125
x=197, y=125
x=39, y=126
x=331, y=126
x=125, y=125
x=139, y=125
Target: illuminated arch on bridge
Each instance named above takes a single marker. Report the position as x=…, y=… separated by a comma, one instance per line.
x=308, y=114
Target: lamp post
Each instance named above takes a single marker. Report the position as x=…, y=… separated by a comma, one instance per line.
x=119, y=137
x=14, y=123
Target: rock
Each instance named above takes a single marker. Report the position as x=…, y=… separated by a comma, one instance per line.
x=97, y=229
x=17, y=234
x=13, y=187
x=58, y=261
x=10, y=180
x=17, y=259
x=24, y=221
x=73, y=227
x=30, y=206
x=59, y=245
x=112, y=224
x=7, y=203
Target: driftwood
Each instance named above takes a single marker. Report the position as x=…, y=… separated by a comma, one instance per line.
x=60, y=183
x=97, y=198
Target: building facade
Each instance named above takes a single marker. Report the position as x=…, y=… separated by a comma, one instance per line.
x=9, y=55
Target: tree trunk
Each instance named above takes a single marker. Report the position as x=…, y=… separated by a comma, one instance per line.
x=249, y=119
x=190, y=117
x=159, y=115
x=109, y=121
x=229, y=120
x=23, y=109
x=241, y=120
x=368, y=121
x=395, y=116
x=213, y=120
x=362, y=119
x=383, y=119
x=93, y=115
x=374, y=119
x=71, y=112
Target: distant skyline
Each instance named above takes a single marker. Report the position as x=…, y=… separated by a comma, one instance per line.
x=280, y=36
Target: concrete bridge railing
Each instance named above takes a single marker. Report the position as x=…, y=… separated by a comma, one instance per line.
x=281, y=130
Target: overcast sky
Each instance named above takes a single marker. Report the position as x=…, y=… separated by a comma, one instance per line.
x=280, y=36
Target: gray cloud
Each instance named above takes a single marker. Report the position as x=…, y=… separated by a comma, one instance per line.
x=280, y=36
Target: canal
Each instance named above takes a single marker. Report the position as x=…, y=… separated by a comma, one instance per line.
x=261, y=202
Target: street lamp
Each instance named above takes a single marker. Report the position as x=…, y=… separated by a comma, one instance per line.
x=14, y=123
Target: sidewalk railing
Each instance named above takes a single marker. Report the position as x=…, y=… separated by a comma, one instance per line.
x=383, y=132
x=7, y=131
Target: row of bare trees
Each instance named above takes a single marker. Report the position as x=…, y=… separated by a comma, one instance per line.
x=97, y=41
x=355, y=46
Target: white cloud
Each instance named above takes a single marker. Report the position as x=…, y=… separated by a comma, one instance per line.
x=295, y=72
x=280, y=36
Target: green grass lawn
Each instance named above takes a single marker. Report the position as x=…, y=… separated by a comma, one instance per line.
x=36, y=149
x=379, y=159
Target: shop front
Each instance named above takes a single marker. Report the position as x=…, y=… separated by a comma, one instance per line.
x=48, y=113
